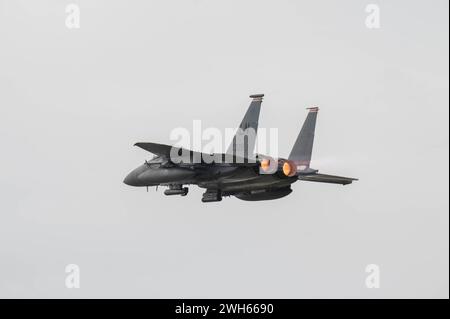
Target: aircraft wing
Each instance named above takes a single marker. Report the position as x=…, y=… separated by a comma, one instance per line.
x=323, y=178
x=161, y=149
x=189, y=157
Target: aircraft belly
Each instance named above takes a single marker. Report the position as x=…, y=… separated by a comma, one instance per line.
x=255, y=183
x=244, y=179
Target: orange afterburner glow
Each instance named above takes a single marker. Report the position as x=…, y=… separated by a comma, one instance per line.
x=265, y=165
x=289, y=168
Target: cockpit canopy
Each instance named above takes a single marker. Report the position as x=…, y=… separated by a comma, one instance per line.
x=158, y=161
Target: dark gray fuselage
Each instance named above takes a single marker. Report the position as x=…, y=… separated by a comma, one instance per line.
x=228, y=179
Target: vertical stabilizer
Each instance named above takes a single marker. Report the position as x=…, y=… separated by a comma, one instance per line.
x=244, y=141
x=302, y=150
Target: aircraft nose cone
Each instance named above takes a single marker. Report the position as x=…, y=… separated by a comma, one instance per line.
x=131, y=179
x=134, y=177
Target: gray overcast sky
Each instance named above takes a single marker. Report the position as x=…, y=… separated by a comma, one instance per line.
x=73, y=102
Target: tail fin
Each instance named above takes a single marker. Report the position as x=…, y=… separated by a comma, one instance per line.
x=301, y=152
x=244, y=141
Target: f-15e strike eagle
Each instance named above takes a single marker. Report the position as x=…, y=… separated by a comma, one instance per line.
x=238, y=172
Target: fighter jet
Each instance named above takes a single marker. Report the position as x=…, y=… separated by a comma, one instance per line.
x=238, y=172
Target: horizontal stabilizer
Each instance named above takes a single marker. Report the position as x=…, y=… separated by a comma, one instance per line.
x=323, y=178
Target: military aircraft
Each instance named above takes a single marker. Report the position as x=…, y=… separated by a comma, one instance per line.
x=238, y=172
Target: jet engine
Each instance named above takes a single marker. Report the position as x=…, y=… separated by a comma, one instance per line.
x=284, y=168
